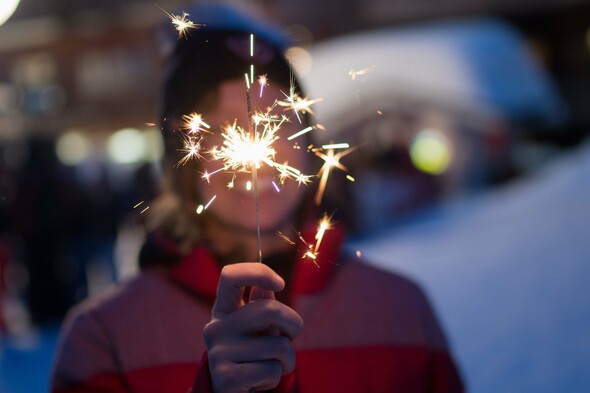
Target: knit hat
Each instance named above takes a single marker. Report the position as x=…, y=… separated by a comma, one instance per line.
x=214, y=53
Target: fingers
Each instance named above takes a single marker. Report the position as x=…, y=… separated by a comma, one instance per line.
x=233, y=280
x=263, y=314
x=246, y=353
x=259, y=293
x=259, y=349
x=246, y=377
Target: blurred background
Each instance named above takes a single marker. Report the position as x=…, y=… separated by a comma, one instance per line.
x=473, y=176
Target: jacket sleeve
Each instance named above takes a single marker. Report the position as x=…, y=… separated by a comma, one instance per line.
x=85, y=360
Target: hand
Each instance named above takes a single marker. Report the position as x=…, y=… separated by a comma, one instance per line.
x=240, y=359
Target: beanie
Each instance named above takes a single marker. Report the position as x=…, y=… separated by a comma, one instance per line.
x=216, y=52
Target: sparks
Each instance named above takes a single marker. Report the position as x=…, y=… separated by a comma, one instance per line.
x=231, y=184
x=144, y=210
x=263, y=82
x=298, y=104
x=181, y=23
x=207, y=176
x=295, y=102
x=311, y=251
x=243, y=151
x=210, y=202
x=248, y=148
x=194, y=123
x=139, y=204
x=331, y=161
x=286, y=238
x=276, y=187
x=324, y=225
x=336, y=146
x=191, y=147
x=364, y=71
x=298, y=134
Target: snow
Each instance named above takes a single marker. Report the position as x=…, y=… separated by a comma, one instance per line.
x=509, y=275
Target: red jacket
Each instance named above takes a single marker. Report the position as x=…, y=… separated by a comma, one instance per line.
x=366, y=330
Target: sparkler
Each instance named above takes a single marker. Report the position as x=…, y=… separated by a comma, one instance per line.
x=246, y=150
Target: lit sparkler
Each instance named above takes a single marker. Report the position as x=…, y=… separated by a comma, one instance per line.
x=243, y=151
x=248, y=149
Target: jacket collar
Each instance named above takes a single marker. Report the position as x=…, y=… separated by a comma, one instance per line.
x=199, y=271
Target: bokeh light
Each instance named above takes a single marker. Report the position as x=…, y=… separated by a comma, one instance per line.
x=7, y=8
x=431, y=151
x=300, y=59
x=127, y=146
x=73, y=148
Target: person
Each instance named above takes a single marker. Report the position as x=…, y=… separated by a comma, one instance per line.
x=197, y=320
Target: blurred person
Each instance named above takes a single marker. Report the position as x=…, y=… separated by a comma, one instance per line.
x=46, y=215
x=195, y=317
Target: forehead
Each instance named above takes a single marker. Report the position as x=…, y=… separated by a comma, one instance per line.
x=232, y=101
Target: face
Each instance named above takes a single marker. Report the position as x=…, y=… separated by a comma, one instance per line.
x=236, y=208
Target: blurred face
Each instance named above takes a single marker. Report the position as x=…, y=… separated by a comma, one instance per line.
x=235, y=208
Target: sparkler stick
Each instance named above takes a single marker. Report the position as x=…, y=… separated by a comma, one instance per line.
x=253, y=136
x=255, y=184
